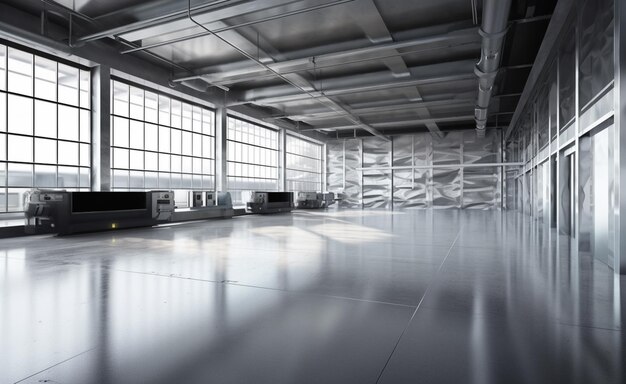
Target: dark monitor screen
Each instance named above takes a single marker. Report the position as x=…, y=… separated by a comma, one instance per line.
x=279, y=197
x=107, y=201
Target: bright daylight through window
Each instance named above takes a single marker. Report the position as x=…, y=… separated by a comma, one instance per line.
x=44, y=126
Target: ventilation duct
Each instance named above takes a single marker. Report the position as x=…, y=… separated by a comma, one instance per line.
x=493, y=29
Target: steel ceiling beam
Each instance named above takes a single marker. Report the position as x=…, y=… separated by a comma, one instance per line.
x=296, y=81
x=437, y=73
x=394, y=124
x=380, y=109
x=218, y=74
x=358, y=89
x=377, y=30
x=154, y=21
x=235, y=26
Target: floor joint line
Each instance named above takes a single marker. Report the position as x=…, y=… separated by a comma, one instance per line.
x=237, y=284
x=54, y=365
x=395, y=347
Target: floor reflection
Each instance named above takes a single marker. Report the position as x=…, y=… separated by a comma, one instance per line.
x=341, y=297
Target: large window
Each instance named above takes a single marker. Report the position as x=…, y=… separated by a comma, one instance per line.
x=304, y=165
x=161, y=142
x=45, y=126
x=252, y=157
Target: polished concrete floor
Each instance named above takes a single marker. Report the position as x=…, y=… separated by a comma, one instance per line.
x=311, y=297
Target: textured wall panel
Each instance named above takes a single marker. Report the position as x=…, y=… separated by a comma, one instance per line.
x=448, y=149
x=352, y=191
x=480, y=150
x=410, y=186
x=479, y=188
x=446, y=183
x=334, y=167
x=446, y=187
x=376, y=184
x=421, y=187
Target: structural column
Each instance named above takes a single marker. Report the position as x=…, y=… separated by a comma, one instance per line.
x=282, y=163
x=101, y=128
x=221, y=134
x=619, y=140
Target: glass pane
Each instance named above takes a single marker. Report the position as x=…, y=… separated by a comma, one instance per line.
x=45, y=119
x=20, y=115
x=197, y=119
x=187, y=143
x=176, y=180
x=187, y=117
x=15, y=199
x=177, y=110
x=3, y=111
x=207, y=167
x=152, y=137
x=120, y=99
x=45, y=78
x=164, y=110
x=164, y=139
x=20, y=72
x=197, y=165
x=186, y=182
x=596, y=48
x=68, y=177
x=197, y=182
x=567, y=74
x=197, y=145
x=151, y=160
x=176, y=141
x=45, y=151
x=136, y=180
x=120, y=132
x=3, y=67
x=151, y=107
x=136, y=103
x=207, y=146
x=207, y=182
x=136, y=160
x=151, y=180
x=20, y=148
x=207, y=122
x=85, y=155
x=120, y=178
x=85, y=126
x=187, y=164
x=20, y=175
x=68, y=84
x=3, y=147
x=68, y=153
x=85, y=89
x=164, y=162
x=136, y=134
x=45, y=176
x=68, y=123
x=84, y=178
x=120, y=158
x=164, y=180
x=176, y=163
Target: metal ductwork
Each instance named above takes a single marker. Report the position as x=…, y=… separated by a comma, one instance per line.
x=493, y=29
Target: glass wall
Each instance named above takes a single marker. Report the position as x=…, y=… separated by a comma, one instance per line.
x=45, y=126
x=158, y=141
x=304, y=165
x=252, y=157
